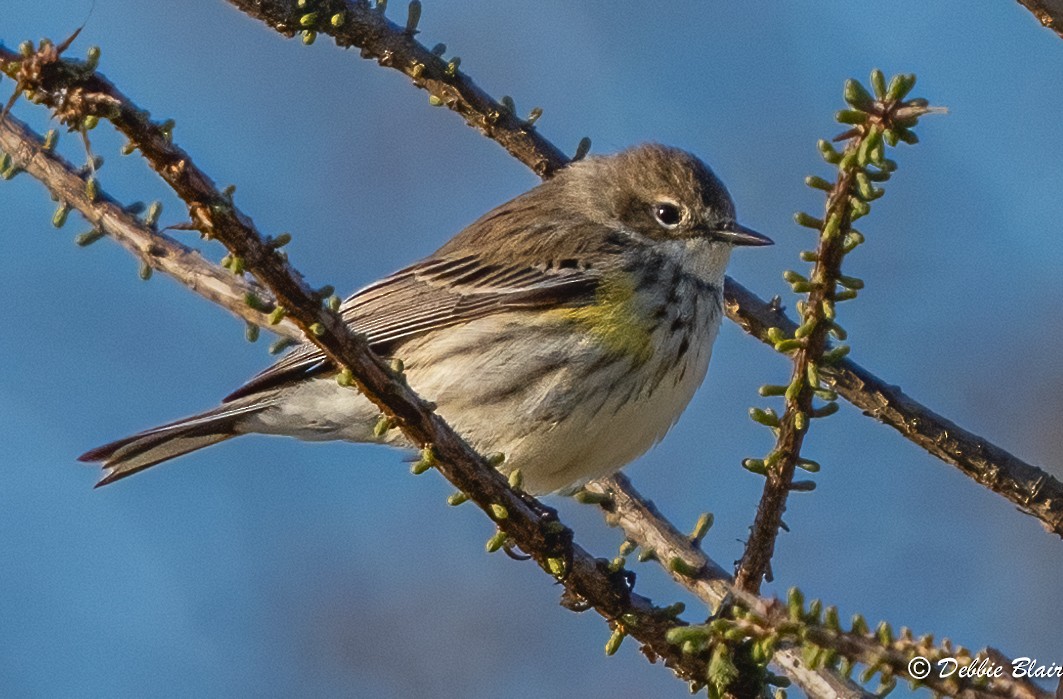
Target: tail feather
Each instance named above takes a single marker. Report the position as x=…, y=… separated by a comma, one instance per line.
x=127, y=456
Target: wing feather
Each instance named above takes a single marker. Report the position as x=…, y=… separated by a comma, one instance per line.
x=433, y=294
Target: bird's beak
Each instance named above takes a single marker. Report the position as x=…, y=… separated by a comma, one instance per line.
x=737, y=234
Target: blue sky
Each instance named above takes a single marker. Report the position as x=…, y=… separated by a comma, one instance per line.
x=274, y=567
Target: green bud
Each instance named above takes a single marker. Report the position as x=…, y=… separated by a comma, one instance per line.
x=828, y=309
x=795, y=604
x=805, y=329
x=878, y=83
x=830, y=619
x=333, y=302
x=864, y=189
x=835, y=354
x=680, y=567
x=582, y=148
x=89, y=237
x=60, y=215
x=826, y=149
x=50, y=139
x=785, y=346
x=764, y=417
x=852, y=239
x=793, y=276
x=768, y=390
x=284, y=343
x=857, y=95
x=833, y=227
x=534, y=115
x=801, y=287
x=613, y=644
x=808, y=465
x=849, y=282
x=838, y=331
x=812, y=373
x=826, y=394
x=452, y=66
x=435, y=101
x=809, y=256
x=845, y=295
x=850, y=116
x=90, y=122
x=807, y=220
x=92, y=58
x=92, y=190
x=383, y=424
x=859, y=625
x=826, y=410
x=586, y=497
x=802, y=486
x=277, y=315
x=154, y=211
x=516, y=479
x=344, y=378
x=858, y=207
x=496, y=542
x=800, y=421
x=309, y=37
x=338, y=19
x=755, y=465
x=308, y=20
x=884, y=634
x=413, y=17
x=458, y=498
x=908, y=136
x=900, y=86
x=819, y=183
x=701, y=528
x=145, y=271
x=556, y=567
x=317, y=329
x=499, y=511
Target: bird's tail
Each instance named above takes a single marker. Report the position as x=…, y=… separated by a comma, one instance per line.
x=126, y=456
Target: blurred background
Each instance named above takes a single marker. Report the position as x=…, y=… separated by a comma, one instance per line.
x=268, y=566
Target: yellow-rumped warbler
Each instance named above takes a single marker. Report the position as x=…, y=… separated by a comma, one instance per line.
x=567, y=329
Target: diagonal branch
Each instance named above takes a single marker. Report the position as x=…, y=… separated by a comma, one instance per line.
x=157, y=250
x=1032, y=489
x=1048, y=12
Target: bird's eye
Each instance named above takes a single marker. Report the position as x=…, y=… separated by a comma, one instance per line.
x=667, y=214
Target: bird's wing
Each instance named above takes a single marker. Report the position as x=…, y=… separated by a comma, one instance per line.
x=436, y=293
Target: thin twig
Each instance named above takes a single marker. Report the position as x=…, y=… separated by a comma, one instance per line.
x=151, y=247
x=689, y=566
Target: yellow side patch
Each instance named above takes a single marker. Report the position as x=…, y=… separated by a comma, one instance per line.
x=615, y=320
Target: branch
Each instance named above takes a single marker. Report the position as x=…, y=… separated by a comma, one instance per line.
x=1035, y=492
x=157, y=250
x=882, y=653
x=1048, y=12
x=689, y=566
